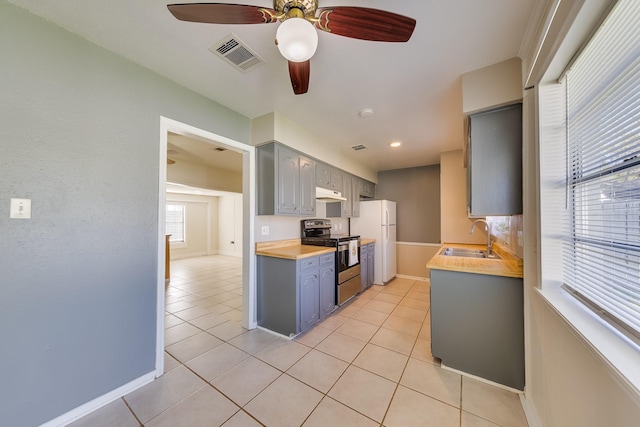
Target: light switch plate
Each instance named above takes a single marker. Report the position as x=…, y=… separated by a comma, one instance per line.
x=20, y=209
x=265, y=230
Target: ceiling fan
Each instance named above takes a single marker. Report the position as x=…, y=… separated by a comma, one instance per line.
x=296, y=36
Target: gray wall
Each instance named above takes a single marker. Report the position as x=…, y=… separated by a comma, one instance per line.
x=80, y=137
x=417, y=193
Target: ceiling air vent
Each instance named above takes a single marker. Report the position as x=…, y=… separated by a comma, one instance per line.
x=359, y=147
x=236, y=53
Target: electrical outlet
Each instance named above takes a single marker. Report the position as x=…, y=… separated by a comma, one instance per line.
x=265, y=230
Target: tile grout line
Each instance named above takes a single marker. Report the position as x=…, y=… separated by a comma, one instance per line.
x=331, y=332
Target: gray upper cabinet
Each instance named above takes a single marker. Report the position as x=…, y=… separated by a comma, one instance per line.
x=286, y=181
x=347, y=193
x=323, y=175
x=355, y=196
x=336, y=179
x=350, y=190
x=307, y=186
x=495, y=162
x=367, y=189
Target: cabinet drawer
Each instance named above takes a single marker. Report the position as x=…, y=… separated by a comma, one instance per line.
x=327, y=259
x=309, y=263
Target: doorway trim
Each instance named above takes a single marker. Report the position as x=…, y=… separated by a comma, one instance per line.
x=249, y=303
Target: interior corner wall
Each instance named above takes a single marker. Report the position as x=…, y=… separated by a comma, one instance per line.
x=453, y=189
x=416, y=192
x=80, y=138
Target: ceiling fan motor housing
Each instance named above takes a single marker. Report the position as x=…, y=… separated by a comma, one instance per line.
x=307, y=7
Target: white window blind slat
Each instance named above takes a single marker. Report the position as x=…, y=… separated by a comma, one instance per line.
x=601, y=260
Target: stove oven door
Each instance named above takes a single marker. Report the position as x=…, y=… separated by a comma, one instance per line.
x=343, y=257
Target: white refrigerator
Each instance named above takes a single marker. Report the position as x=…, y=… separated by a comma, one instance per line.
x=377, y=220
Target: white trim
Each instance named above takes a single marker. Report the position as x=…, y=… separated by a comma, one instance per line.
x=230, y=253
x=483, y=380
x=418, y=278
x=162, y=217
x=431, y=245
x=530, y=412
x=99, y=402
x=619, y=355
x=197, y=254
x=249, y=212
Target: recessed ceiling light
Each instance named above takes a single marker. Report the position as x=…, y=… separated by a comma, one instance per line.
x=366, y=112
x=395, y=144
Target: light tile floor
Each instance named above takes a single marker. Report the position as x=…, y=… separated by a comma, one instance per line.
x=368, y=364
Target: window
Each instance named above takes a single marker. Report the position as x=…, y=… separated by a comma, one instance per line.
x=601, y=262
x=175, y=223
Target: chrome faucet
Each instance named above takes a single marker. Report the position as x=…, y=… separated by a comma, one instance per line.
x=488, y=228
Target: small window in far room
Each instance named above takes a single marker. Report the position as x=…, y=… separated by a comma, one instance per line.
x=175, y=223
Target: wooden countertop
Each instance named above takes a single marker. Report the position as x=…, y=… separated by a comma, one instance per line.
x=365, y=241
x=509, y=265
x=290, y=249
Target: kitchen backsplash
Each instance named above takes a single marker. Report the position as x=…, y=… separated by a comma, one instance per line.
x=508, y=231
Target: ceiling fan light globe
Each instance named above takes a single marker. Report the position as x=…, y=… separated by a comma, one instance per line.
x=297, y=39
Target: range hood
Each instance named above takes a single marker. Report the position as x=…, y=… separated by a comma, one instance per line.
x=328, y=195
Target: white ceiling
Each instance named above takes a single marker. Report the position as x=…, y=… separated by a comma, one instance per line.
x=182, y=148
x=414, y=88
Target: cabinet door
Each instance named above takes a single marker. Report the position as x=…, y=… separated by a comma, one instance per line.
x=288, y=181
x=364, y=260
x=355, y=196
x=309, y=299
x=477, y=325
x=336, y=179
x=347, y=193
x=323, y=175
x=495, y=162
x=327, y=285
x=370, y=264
x=307, y=186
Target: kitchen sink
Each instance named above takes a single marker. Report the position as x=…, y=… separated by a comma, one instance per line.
x=467, y=253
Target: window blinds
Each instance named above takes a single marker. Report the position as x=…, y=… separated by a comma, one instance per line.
x=602, y=255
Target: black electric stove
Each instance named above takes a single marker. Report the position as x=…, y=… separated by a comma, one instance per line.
x=317, y=232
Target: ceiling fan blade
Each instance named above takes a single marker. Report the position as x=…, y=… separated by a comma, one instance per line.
x=299, y=73
x=220, y=13
x=366, y=24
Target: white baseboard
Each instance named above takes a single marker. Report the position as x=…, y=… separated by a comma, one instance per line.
x=421, y=279
x=99, y=402
x=484, y=380
x=229, y=253
x=530, y=411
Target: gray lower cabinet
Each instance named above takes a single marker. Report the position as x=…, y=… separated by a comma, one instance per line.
x=477, y=325
x=294, y=294
x=367, y=255
x=327, y=284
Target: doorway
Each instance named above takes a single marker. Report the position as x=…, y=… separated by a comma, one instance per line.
x=248, y=214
